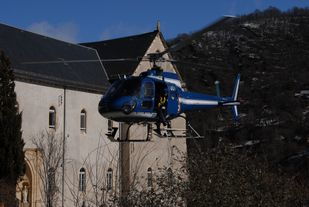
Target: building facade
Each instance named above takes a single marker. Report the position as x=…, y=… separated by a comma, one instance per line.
x=59, y=101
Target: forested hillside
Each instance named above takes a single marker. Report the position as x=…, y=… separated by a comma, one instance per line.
x=270, y=50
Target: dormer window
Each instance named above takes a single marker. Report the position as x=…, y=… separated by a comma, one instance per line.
x=83, y=120
x=52, y=117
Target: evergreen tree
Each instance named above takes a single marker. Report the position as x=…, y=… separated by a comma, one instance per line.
x=11, y=143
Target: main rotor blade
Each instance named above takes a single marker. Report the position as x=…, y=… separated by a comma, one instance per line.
x=186, y=63
x=201, y=65
x=197, y=34
x=83, y=61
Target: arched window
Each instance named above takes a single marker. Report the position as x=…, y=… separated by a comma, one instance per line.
x=51, y=180
x=52, y=117
x=83, y=120
x=170, y=176
x=109, y=179
x=82, y=180
x=149, y=177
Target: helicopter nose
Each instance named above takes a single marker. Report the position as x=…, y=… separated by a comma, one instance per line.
x=103, y=106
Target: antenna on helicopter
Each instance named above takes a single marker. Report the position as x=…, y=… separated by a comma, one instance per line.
x=158, y=25
x=217, y=83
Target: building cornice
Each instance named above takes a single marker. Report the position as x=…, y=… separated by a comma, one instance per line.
x=40, y=79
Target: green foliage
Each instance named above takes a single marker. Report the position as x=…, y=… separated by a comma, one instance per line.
x=11, y=143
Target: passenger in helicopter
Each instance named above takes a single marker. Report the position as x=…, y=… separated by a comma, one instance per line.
x=161, y=110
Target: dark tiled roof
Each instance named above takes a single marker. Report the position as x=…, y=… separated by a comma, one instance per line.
x=127, y=47
x=22, y=46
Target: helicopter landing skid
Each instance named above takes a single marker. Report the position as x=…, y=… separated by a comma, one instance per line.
x=166, y=132
x=131, y=140
x=188, y=133
x=111, y=135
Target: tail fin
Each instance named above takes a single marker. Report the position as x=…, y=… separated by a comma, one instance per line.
x=232, y=101
x=236, y=88
x=234, y=98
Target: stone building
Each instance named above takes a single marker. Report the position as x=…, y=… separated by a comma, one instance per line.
x=60, y=99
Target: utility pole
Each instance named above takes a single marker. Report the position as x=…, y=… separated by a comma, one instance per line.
x=124, y=164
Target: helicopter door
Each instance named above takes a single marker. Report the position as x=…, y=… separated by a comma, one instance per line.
x=148, y=91
x=172, y=102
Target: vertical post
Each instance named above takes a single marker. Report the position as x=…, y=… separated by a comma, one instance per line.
x=124, y=164
x=158, y=25
x=217, y=83
x=63, y=145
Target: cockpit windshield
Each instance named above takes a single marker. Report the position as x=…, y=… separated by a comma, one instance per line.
x=127, y=87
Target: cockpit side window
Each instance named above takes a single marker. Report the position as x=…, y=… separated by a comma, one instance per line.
x=113, y=89
x=148, y=90
x=128, y=87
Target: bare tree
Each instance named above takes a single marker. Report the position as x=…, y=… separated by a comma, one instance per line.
x=222, y=176
x=138, y=158
x=165, y=186
x=226, y=176
x=71, y=182
x=105, y=156
x=50, y=148
x=96, y=163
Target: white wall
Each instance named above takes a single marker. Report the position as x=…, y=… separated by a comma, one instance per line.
x=157, y=154
x=89, y=150
x=34, y=102
x=161, y=151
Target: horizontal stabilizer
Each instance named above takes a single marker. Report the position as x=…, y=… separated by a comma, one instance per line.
x=230, y=103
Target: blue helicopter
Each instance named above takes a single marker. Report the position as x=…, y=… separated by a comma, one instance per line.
x=157, y=97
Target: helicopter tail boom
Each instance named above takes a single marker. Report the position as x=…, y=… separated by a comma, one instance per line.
x=195, y=101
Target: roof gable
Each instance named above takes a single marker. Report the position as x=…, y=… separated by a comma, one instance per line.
x=22, y=46
x=126, y=47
